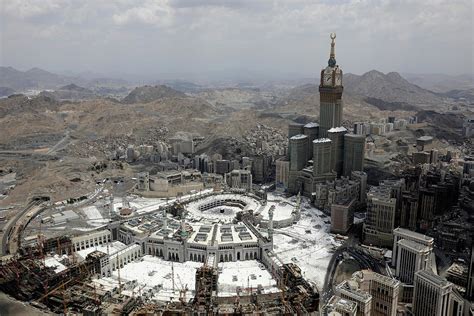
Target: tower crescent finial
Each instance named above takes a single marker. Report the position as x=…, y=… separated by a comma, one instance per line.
x=332, y=55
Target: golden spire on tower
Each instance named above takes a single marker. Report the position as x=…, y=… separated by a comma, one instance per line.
x=332, y=55
x=333, y=43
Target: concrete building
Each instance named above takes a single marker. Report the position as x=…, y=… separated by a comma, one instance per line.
x=326, y=141
x=336, y=191
x=93, y=239
x=295, y=129
x=298, y=152
x=222, y=166
x=342, y=216
x=143, y=182
x=420, y=158
x=349, y=290
x=361, y=178
x=409, y=210
x=434, y=154
x=411, y=258
x=336, y=135
x=402, y=233
x=330, y=90
x=131, y=154
x=380, y=221
x=424, y=143
x=312, y=131
x=261, y=168
x=433, y=296
x=120, y=258
x=239, y=179
x=354, y=153
x=183, y=146
x=468, y=127
x=169, y=183
x=384, y=291
x=322, y=157
x=339, y=306
x=282, y=171
x=361, y=128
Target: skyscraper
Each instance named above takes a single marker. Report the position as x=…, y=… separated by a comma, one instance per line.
x=434, y=296
x=384, y=291
x=354, y=153
x=298, y=152
x=336, y=135
x=411, y=258
x=312, y=131
x=322, y=157
x=325, y=141
x=330, y=89
x=380, y=220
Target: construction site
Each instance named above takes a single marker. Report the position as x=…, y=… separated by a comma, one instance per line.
x=139, y=256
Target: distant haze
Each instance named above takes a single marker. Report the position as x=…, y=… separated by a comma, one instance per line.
x=223, y=39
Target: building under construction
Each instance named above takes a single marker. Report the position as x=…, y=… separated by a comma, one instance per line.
x=71, y=291
x=166, y=262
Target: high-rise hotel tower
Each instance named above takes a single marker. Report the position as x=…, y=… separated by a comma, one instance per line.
x=321, y=153
x=330, y=90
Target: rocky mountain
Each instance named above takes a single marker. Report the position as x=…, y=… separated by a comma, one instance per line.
x=238, y=98
x=33, y=78
x=456, y=94
x=390, y=87
x=70, y=92
x=37, y=78
x=147, y=94
x=441, y=83
x=184, y=86
x=443, y=125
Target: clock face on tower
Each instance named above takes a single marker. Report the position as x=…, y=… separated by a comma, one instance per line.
x=339, y=79
x=327, y=80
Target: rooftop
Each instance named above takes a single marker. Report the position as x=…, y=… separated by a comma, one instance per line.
x=413, y=245
x=337, y=129
x=433, y=278
x=311, y=125
x=338, y=303
x=299, y=136
x=368, y=274
x=321, y=140
x=355, y=136
x=351, y=288
x=403, y=232
x=425, y=138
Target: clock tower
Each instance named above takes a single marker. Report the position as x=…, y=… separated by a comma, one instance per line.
x=330, y=91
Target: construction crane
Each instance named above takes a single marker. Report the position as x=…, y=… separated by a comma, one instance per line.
x=172, y=274
x=140, y=288
x=182, y=291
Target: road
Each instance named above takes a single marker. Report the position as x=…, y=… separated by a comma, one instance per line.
x=10, y=230
x=358, y=254
x=61, y=144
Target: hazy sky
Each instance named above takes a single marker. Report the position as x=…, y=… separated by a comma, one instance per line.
x=156, y=38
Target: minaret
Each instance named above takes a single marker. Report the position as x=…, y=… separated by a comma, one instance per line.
x=330, y=90
x=184, y=233
x=270, y=222
x=298, y=201
x=165, y=219
x=111, y=206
